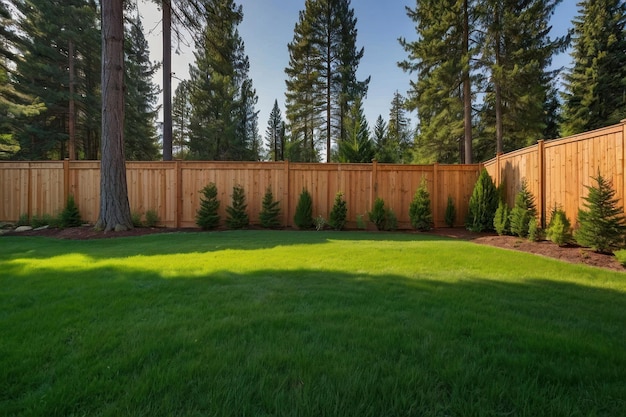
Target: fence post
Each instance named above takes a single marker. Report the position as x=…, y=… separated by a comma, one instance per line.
x=287, y=208
x=66, y=179
x=435, y=199
x=29, y=199
x=373, y=182
x=497, y=178
x=179, y=192
x=623, y=167
x=541, y=203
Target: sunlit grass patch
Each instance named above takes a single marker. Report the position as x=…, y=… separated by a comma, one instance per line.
x=305, y=324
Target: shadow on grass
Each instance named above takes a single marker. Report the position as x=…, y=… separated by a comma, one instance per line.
x=194, y=242
x=307, y=343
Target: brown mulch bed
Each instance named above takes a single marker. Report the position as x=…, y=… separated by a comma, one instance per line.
x=571, y=253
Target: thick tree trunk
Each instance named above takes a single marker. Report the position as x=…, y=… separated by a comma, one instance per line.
x=467, y=89
x=167, y=80
x=497, y=81
x=114, y=206
x=71, y=121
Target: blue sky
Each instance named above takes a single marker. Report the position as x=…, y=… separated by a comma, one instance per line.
x=268, y=26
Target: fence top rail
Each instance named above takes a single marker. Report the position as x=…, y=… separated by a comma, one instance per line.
x=585, y=136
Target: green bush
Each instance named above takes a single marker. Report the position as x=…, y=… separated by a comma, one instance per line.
x=303, y=218
x=152, y=218
x=391, y=220
x=601, y=223
x=70, y=216
x=378, y=215
x=320, y=222
x=44, y=220
x=483, y=204
x=23, y=220
x=135, y=218
x=621, y=257
x=270, y=210
x=559, y=229
x=419, y=209
x=523, y=211
x=501, y=219
x=360, y=222
x=237, y=217
x=450, y=215
x=206, y=216
x=534, y=231
x=339, y=213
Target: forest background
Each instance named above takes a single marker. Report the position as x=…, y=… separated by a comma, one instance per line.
x=37, y=36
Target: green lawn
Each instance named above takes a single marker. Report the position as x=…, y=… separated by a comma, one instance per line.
x=257, y=323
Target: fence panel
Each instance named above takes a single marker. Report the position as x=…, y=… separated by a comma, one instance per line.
x=559, y=171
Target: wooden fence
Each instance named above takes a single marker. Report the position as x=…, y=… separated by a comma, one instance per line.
x=558, y=172
x=172, y=189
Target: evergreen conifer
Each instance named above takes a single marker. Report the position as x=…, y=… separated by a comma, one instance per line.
x=207, y=216
x=237, y=217
x=602, y=226
x=339, y=212
x=304, y=211
x=70, y=216
x=419, y=209
x=483, y=204
x=270, y=210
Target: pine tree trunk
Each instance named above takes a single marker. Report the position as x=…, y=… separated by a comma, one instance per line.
x=167, y=80
x=467, y=88
x=114, y=206
x=497, y=81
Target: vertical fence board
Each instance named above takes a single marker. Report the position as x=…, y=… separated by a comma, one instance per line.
x=557, y=173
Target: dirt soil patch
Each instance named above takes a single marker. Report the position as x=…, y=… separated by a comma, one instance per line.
x=570, y=253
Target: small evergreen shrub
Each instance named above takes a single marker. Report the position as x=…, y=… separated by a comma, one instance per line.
x=339, y=213
x=601, y=223
x=483, y=204
x=135, y=218
x=237, y=217
x=270, y=210
x=534, y=231
x=152, y=218
x=43, y=220
x=391, y=220
x=70, y=216
x=303, y=218
x=320, y=222
x=501, y=219
x=621, y=257
x=559, y=229
x=378, y=215
x=360, y=222
x=206, y=216
x=450, y=215
x=523, y=211
x=419, y=209
x=23, y=220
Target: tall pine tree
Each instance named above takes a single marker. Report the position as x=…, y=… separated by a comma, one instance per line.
x=181, y=113
x=442, y=95
x=223, y=119
x=399, y=134
x=357, y=145
x=595, y=88
x=12, y=103
x=56, y=36
x=517, y=53
x=275, y=134
x=141, y=95
x=322, y=84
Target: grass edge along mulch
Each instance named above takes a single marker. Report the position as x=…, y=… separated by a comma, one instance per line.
x=304, y=324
